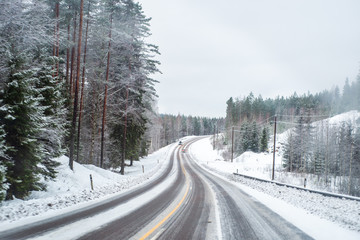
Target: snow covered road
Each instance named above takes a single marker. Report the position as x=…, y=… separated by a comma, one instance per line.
x=240, y=215
x=216, y=209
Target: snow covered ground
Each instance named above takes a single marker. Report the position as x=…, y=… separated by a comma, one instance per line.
x=321, y=217
x=72, y=189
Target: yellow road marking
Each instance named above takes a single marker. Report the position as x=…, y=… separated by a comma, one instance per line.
x=173, y=211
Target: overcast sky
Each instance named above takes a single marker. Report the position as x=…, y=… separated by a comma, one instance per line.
x=212, y=50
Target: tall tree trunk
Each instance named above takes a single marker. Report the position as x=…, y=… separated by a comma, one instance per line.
x=57, y=7
x=73, y=125
x=95, y=116
x=94, y=125
x=82, y=85
x=56, y=40
x=68, y=57
x=72, y=58
x=122, y=171
x=105, y=97
x=55, y=28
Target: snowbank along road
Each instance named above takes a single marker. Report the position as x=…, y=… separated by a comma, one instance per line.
x=184, y=202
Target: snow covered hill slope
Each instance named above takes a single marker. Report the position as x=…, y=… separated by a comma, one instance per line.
x=352, y=117
x=72, y=188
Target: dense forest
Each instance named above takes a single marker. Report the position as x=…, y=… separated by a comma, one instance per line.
x=327, y=103
x=313, y=145
x=75, y=80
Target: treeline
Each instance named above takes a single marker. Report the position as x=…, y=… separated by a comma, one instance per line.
x=327, y=103
x=74, y=78
x=172, y=128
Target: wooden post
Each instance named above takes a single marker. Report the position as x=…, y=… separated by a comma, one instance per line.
x=91, y=183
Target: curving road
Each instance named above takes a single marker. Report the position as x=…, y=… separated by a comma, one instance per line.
x=184, y=202
x=233, y=215
x=242, y=216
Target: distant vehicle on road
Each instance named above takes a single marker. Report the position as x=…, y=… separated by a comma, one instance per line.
x=180, y=143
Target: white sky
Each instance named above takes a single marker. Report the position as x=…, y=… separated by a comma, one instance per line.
x=213, y=50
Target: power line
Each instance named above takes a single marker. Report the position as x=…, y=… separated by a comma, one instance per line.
x=307, y=115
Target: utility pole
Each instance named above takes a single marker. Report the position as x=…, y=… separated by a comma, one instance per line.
x=274, y=150
x=232, y=144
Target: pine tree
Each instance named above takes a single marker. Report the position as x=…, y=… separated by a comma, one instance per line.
x=341, y=155
x=197, y=126
x=319, y=156
x=229, y=123
x=183, y=127
x=298, y=148
x=357, y=93
x=347, y=97
x=21, y=116
x=308, y=141
x=245, y=137
x=51, y=91
x=26, y=33
x=288, y=155
x=81, y=108
x=254, y=137
x=264, y=140
x=103, y=122
x=132, y=89
x=318, y=163
x=76, y=90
